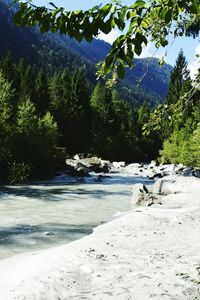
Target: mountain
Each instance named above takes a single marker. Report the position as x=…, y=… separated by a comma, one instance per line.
x=154, y=78
x=53, y=51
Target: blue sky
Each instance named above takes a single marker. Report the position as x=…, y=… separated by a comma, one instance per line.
x=190, y=46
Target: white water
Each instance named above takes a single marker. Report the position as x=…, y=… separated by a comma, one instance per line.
x=42, y=215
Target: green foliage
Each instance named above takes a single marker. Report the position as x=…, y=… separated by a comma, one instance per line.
x=182, y=147
x=193, y=157
x=180, y=81
x=18, y=172
x=27, y=119
x=140, y=23
x=177, y=120
x=178, y=104
x=70, y=96
x=42, y=97
x=175, y=148
x=25, y=138
x=64, y=117
x=35, y=139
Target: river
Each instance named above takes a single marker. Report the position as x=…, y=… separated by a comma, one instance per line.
x=44, y=214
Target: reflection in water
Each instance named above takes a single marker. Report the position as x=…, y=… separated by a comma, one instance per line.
x=46, y=214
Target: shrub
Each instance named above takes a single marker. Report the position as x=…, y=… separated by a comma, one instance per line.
x=18, y=172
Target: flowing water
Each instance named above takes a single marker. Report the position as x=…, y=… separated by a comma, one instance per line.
x=46, y=214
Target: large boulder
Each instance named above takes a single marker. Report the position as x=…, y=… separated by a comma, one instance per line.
x=75, y=168
x=81, y=167
x=119, y=164
x=97, y=165
x=141, y=196
x=176, y=184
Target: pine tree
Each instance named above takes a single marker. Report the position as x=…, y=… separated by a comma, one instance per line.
x=27, y=85
x=42, y=97
x=60, y=95
x=180, y=81
x=6, y=123
x=79, y=113
x=9, y=69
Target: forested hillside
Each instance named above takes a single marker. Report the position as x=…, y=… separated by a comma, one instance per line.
x=53, y=51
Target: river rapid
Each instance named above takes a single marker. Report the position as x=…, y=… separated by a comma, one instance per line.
x=45, y=214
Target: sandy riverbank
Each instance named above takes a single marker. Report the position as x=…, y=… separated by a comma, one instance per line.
x=147, y=253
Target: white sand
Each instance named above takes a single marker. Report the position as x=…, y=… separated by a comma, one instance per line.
x=148, y=253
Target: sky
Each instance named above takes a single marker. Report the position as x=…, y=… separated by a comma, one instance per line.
x=189, y=45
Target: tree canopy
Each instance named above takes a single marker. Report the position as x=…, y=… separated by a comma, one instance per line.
x=140, y=23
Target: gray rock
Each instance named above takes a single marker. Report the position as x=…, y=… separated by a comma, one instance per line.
x=187, y=172
x=163, y=187
x=141, y=196
x=196, y=173
x=81, y=167
x=119, y=164
x=156, y=176
x=76, y=168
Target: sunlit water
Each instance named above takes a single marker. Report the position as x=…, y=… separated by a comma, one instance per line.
x=50, y=213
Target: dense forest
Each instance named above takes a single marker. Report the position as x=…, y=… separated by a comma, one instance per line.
x=45, y=117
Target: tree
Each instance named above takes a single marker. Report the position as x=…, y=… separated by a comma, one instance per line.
x=139, y=23
x=178, y=105
x=6, y=122
x=180, y=81
x=27, y=86
x=42, y=97
x=79, y=112
x=34, y=140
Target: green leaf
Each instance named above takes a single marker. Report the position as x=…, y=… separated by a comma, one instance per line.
x=52, y=4
x=18, y=17
x=106, y=28
x=168, y=16
x=163, y=42
x=139, y=4
x=121, y=71
x=121, y=24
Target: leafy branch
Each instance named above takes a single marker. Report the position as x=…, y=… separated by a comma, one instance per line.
x=139, y=24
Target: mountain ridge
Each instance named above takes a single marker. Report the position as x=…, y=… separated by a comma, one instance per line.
x=54, y=51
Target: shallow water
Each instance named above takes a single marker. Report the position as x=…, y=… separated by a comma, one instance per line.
x=46, y=214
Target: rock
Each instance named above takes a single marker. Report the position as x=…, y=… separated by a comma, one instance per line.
x=81, y=167
x=106, y=166
x=76, y=168
x=141, y=196
x=187, y=172
x=196, y=173
x=95, y=164
x=176, y=185
x=81, y=170
x=160, y=187
x=156, y=176
x=119, y=164
x=77, y=157
x=153, y=164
